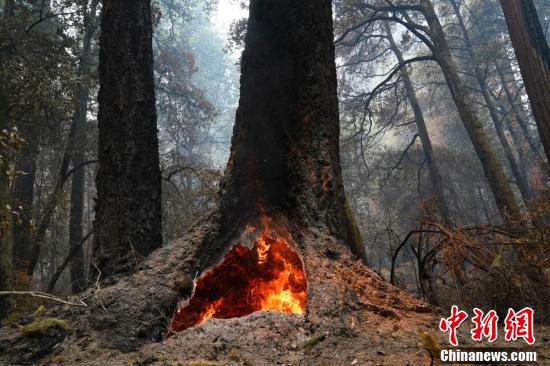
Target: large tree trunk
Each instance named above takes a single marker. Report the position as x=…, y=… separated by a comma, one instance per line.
x=285, y=147
x=521, y=180
x=533, y=54
x=494, y=171
x=76, y=234
x=435, y=175
x=128, y=210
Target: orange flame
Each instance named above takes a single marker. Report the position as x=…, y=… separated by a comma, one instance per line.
x=269, y=277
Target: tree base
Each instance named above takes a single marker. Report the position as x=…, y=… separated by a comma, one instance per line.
x=345, y=300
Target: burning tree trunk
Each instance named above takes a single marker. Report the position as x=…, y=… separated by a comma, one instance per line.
x=284, y=162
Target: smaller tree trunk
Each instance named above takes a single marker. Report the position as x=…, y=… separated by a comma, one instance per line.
x=6, y=217
x=494, y=171
x=533, y=54
x=78, y=268
x=435, y=175
x=521, y=180
x=6, y=240
x=517, y=109
x=23, y=193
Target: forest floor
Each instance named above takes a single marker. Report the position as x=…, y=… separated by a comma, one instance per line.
x=354, y=317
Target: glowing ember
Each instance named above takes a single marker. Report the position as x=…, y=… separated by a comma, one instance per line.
x=270, y=276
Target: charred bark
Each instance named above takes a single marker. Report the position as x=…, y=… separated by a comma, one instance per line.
x=533, y=54
x=128, y=207
x=285, y=146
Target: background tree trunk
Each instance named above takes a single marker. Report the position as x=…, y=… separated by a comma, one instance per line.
x=521, y=180
x=78, y=268
x=128, y=208
x=435, y=175
x=494, y=171
x=23, y=194
x=6, y=239
x=6, y=217
x=533, y=54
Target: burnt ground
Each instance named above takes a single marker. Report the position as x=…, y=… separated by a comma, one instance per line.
x=353, y=317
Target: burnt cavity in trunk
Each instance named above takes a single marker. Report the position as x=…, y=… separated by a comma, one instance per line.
x=262, y=272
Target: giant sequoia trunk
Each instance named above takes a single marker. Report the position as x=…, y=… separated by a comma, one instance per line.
x=533, y=54
x=280, y=238
x=285, y=147
x=128, y=211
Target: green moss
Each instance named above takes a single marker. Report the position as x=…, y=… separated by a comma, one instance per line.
x=41, y=326
x=312, y=342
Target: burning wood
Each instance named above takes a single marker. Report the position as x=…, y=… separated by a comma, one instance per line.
x=269, y=276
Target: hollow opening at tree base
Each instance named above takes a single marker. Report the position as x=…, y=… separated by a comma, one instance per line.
x=269, y=276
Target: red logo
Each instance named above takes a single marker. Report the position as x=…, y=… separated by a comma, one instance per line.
x=485, y=326
x=452, y=323
x=516, y=325
x=519, y=325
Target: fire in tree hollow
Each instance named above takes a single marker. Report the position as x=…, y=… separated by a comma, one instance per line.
x=269, y=276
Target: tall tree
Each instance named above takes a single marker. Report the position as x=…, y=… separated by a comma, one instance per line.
x=285, y=146
x=76, y=235
x=435, y=175
x=6, y=217
x=128, y=224
x=6, y=220
x=494, y=171
x=520, y=178
x=433, y=36
x=533, y=54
